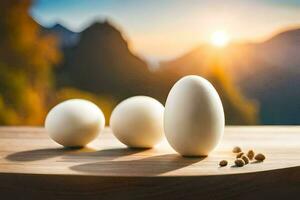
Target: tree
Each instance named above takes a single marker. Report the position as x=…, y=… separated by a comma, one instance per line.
x=26, y=60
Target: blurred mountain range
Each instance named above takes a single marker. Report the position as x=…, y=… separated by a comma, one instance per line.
x=66, y=37
x=98, y=60
x=268, y=72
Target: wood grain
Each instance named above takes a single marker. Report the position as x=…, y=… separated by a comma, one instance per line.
x=33, y=166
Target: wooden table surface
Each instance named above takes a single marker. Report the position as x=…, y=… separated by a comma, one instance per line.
x=33, y=166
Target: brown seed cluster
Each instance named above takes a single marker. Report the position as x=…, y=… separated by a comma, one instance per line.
x=242, y=158
x=239, y=155
x=239, y=162
x=236, y=149
x=223, y=163
x=250, y=154
x=245, y=159
x=260, y=157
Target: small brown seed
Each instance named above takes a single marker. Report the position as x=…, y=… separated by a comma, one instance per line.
x=223, y=163
x=239, y=155
x=239, y=162
x=260, y=157
x=236, y=149
x=250, y=154
x=246, y=159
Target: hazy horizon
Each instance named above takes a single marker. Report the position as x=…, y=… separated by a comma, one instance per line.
x=257, y=83
x=145, y=24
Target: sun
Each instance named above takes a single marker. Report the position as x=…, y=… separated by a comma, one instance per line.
x=220, y=39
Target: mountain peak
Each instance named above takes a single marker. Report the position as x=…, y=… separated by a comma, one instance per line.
x=58, y=25
x=104, y=26
x=59, y=28
x=292, y=35
x=102, y=33
x=66, y=37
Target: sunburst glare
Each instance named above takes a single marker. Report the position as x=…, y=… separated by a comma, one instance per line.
x=220, y=39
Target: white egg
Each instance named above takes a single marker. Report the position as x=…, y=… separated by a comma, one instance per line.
x=194, y=117
x=74, y=123
x=138, y=121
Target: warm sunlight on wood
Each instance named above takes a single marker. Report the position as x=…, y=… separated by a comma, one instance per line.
x=219, y=39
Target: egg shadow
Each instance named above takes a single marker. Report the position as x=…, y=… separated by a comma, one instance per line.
x=38, y=154
x=71, y=153
x=103, y=155
x=149, y=166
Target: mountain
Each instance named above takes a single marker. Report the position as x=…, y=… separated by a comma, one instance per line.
x=66, y=37
x=246, y=75
x=268, y=72
x=102, y=63
x=276, y=78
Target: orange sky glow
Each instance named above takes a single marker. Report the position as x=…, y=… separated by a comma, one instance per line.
x=159, y=30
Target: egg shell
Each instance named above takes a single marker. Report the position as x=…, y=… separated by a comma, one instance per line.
x=74, y=123
x=194, y=117
x=138, y=121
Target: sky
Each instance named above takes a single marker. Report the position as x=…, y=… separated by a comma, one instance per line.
x=164, y=29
